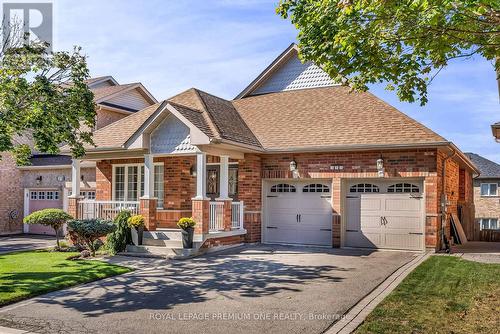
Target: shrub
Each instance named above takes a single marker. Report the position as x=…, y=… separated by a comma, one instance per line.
x=120, y=238
x=136, y=221
x=186, y=223
x=54, y=218
x=88, y=231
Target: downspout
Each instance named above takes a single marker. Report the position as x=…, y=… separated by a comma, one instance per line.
x=444, y=201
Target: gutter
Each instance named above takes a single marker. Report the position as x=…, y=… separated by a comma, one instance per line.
x=444, y=200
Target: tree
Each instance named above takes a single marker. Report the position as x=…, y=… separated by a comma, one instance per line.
x=89, y=230
x=54, y=218
x=402, y=43
x=43, y=95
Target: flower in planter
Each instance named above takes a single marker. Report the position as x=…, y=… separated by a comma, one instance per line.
x=185, y=223
x=136, y=221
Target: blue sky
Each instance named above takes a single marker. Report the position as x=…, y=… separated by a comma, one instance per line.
x=220, y=46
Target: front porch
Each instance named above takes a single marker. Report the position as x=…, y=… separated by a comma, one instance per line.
x=165, y=188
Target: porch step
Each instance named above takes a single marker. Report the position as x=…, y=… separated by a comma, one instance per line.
x=160, y=252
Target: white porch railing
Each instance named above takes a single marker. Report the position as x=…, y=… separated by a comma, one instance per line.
x=216, y=219
x=90, y=209
x=237, y=215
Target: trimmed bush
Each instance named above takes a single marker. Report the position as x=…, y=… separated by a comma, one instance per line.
x=136, y=221
x=120, y=238
x=54, y=218
x=186, y=223
x=89, y=230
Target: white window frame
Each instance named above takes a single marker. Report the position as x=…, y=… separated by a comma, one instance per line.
x=489, y=184
x=489, y=223
x=139, y=180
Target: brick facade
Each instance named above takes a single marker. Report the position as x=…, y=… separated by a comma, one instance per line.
x=424, y=164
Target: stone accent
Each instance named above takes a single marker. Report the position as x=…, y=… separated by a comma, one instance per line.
x=11, y=194
x=147, y=208
x=224, y=241
x=201, y=212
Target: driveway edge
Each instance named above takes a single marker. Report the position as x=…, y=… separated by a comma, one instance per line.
x=358, y=313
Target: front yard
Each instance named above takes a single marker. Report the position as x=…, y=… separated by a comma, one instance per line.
x=443, y=295
x=28, y=274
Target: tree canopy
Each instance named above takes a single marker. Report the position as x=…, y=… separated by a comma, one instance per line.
x=402, y=43
x=43, y=97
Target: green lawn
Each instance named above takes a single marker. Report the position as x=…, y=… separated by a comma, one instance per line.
x=27, y=274
x=443, y=295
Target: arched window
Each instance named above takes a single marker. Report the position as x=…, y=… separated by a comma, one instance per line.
x=403, y=188
x=283, y=188
x=316, y=188
x=364, y=188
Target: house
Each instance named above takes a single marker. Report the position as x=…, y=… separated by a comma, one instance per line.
x=45, y=183
x=495, y=129
x=486, y=194
x=293, y=159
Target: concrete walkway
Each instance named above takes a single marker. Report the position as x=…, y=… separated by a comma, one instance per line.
x=257, y=289
x=479, y=251
x=25, y=242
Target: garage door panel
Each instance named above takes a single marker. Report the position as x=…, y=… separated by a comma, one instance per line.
x=403, y=204
x=403, y=241
x=401, y=215
x=315, y=237
x=281, y=235
x=314, y=204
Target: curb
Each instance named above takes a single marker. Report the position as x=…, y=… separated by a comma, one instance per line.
x=7, y=330
x=358, y=313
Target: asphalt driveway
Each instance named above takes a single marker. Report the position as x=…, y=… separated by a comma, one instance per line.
x=25, y=242
x=257, y=289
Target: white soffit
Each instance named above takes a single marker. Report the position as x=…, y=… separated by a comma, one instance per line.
x=295, y=75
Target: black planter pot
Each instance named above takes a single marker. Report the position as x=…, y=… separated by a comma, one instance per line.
x=187, y=237
x=140, y=233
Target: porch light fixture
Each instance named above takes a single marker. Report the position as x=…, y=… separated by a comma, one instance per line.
x=39, y=179
x=293, y=166
x=380, y=167
x=192, y=170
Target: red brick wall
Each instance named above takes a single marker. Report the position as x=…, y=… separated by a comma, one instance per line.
x=11, y=195
x=250, y=192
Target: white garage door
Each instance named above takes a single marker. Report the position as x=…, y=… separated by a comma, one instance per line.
x=298, y=213
x=385, y=214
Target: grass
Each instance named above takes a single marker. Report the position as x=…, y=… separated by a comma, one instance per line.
x=27, y=274
x=443, y=295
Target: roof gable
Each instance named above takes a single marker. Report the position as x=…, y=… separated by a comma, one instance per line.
x=286, y=73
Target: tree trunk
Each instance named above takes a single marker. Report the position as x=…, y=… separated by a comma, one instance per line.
x=497, y=67
x=57, y=238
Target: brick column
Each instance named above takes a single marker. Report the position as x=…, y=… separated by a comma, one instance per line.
x=201, y=215
x=73, y=207
x=227, y=215
x=147, y=208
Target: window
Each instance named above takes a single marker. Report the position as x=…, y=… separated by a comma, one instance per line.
x=212, y=181
x=41, y=195
x=489, y=189
x=87, y=194
x=50, y=195
x=33, y=195
x=364, y=188
x=488, y=224
x=316, y=188
x=233, y=181
x=403, y=188
x=283, y=188
x=44, y=195
x=128, y=183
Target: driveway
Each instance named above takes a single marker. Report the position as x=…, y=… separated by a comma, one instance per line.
x=25, y=242
x=257, y=289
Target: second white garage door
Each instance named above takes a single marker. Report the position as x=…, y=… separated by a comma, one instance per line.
x=298, y=213
x=385, y=214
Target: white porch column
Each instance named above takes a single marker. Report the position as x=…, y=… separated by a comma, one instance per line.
x=224, y=178
x=201, y=172
x=149, y=176
x=75, y=178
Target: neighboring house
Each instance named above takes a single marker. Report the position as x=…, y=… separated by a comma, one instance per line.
x=294, y=159
x=495, y=129
x=486, y=194
x=46, y=182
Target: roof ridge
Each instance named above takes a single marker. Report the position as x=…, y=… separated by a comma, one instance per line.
x=206, y=115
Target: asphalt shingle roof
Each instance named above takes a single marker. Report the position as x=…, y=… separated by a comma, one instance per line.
x=488, y=168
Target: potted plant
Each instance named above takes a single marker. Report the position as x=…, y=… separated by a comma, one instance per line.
x=136, y=223
x=187, y=228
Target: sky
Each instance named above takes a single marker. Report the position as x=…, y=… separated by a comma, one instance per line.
x=220, y=46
